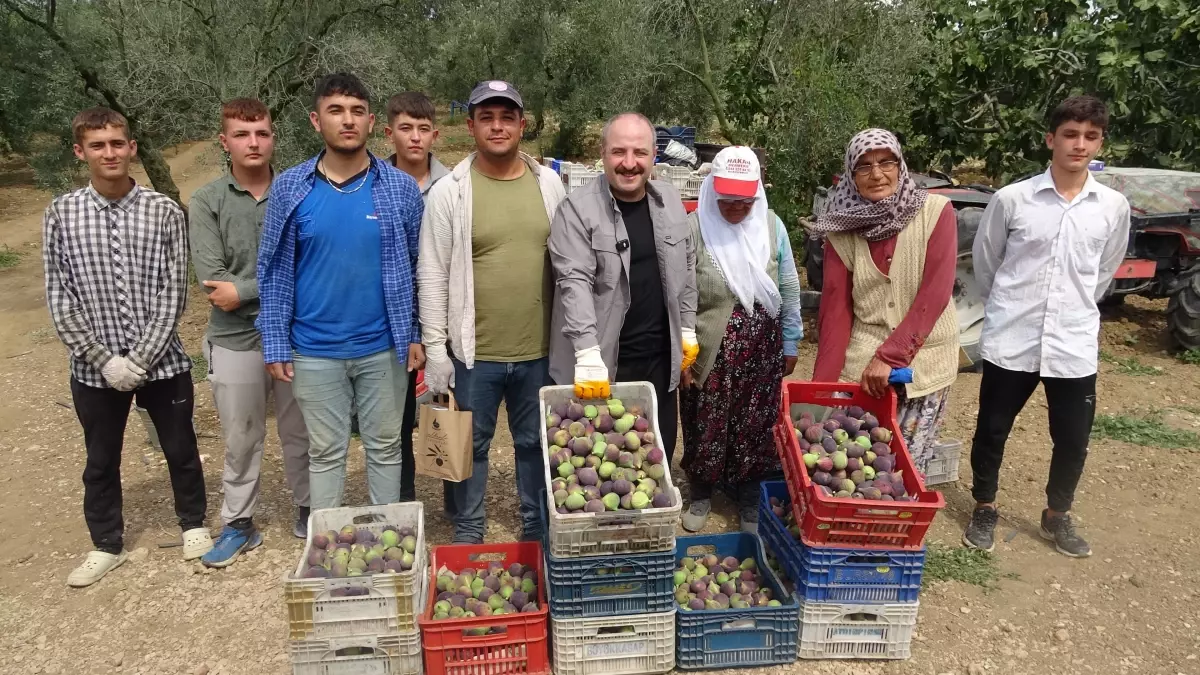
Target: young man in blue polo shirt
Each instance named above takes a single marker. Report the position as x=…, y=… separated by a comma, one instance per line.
x=335, y=276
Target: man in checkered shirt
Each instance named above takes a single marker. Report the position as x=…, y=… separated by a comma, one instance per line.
x=116, y=260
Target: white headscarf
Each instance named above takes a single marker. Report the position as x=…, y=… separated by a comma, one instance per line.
x=742, y=250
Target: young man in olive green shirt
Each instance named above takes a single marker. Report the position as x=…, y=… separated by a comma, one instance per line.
x=483, y=275
x=226, y=222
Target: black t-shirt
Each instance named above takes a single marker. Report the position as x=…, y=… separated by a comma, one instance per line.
x=644, y=332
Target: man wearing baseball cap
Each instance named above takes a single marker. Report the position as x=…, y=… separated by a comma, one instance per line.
x=484, y=282
x=748, y=325
x=625, y=267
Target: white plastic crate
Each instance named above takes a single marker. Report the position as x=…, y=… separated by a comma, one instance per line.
x=691, y=189
x=392, y=601
x=575, y=175
x=845, y=631
x=943, y=463
x=589, y=534
x=616, y=645
x=396, y=654
x=676, y=175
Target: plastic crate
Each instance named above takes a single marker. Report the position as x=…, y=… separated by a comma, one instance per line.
x=664, y=135
x=396, y=654
x=846, y=631
x=691, y=189
x=571, y=535
x=392, y=600
x=610, y=585
x=845, y=522
x=943, y=463
x=620, y=645
x=827, y=574
x=733, y=638
x=519, y=649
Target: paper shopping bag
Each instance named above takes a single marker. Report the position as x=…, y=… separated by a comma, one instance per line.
x=444, y=443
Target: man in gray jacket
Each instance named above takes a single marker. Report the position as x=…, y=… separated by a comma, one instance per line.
x=484, y=285
x=625, y=271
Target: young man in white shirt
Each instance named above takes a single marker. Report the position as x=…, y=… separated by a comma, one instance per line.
x=1045, y=253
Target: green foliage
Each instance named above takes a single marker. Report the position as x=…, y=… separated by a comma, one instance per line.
x=8, y=257
x=1130, y=366
x=1190, y=357
x=1146, y=429
x=958, y=563
x=1001, y=67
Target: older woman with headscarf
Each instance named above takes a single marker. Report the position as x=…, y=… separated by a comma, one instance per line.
x=890, y=256
x=747, y=324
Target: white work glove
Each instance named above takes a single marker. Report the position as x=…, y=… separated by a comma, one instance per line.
x=439, y=370
x=691, y=348
x=591, y=377
x=122, y=374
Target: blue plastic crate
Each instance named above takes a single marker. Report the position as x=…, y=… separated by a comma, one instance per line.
x=610, y=585
x=829, y=574
x=734, y=638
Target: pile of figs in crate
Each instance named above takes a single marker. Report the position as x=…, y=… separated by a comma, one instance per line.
x=356, y=552
x=604, y=458
x=849, y=455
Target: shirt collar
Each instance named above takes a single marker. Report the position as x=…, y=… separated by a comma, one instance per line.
x=372, y=164
x=237, y=187
x=1046, y=182
x=100, y=202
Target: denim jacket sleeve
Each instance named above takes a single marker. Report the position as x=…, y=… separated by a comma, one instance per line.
x=789, y=291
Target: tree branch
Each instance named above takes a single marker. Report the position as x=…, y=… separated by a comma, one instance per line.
x=707, y=80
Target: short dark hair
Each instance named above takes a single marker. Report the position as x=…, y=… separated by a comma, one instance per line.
x=412, y=103
x=499, y=100
x=343, y=84
x=94, y=119
x=244, y=109
x=1080, y=109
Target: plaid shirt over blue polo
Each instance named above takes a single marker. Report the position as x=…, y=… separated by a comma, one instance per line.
x=399, y=206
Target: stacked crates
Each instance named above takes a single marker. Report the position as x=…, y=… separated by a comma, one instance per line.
x=609, y=575
x=358, y=624
x=856, y=564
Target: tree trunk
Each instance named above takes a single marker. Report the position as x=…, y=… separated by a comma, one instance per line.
x=157, y=169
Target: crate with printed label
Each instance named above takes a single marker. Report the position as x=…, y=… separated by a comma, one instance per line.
x=639, y=644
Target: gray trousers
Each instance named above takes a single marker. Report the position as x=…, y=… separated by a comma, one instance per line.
x=241, y=387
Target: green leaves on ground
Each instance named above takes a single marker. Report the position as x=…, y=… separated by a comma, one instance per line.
x=958, y=563
x=9, y=257
x=1146, y=429
x=1130, y=366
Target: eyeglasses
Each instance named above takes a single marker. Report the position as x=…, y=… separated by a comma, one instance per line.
x=886, y=166
x=737, y=201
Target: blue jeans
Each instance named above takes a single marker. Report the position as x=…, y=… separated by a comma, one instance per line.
x=326, y=389
x=480, y=390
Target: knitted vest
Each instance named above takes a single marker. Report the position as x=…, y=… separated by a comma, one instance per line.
x=716, y=302
x=880, y=303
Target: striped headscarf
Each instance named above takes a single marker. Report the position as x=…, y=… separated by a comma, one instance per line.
x=874, y=221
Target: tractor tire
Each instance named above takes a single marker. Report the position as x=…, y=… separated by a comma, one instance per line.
x=814, y=262
x=1183, y=315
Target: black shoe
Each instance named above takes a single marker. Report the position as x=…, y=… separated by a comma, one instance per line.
x=1061, y=531
x=300, y=527
x=981, y=531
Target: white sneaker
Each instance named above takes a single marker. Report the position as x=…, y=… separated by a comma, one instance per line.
x=94, y=567
x=196, y=542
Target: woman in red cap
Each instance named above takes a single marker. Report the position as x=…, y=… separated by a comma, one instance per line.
x=890, y=258
x=747, y=324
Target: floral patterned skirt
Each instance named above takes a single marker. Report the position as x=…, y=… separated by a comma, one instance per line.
x=920, y=421
x=727, y=419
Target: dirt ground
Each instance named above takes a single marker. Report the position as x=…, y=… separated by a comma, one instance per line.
x=1131, y=608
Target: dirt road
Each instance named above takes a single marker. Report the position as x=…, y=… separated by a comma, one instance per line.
x=1131, y=608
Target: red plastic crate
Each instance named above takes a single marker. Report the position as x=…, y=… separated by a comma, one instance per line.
x=522, y=649
x=844, y=522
